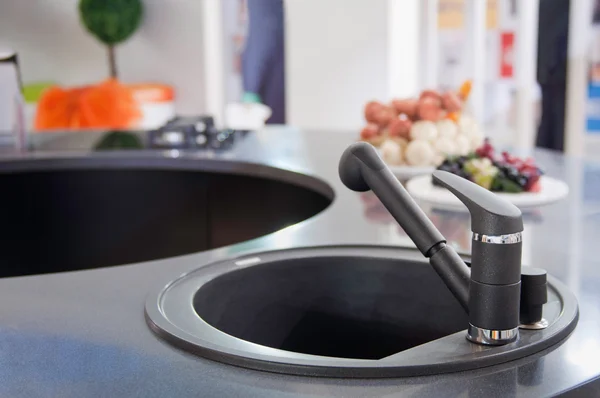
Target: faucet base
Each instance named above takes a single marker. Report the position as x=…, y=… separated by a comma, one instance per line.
x=491, y=337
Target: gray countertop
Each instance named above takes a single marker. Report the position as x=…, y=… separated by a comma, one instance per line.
x=83, y=333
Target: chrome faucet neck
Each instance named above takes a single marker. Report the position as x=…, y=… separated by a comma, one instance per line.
x=491, y=337
x=506, y=239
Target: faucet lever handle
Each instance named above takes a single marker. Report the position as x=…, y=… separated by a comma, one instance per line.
x=490, y=214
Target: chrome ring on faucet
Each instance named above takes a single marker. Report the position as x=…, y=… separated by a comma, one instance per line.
x=491, y=337
x=498, y=239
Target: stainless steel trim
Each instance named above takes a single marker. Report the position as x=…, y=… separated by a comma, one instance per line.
x=248, y=261
x=201, y=139
x=498, y=239
x=491, y=337
x=541, y=324
x=170, y=138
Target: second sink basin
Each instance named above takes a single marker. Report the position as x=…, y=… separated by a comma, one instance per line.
x=337, y=311
x=67, y=214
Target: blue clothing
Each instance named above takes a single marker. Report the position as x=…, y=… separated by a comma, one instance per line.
x=553, y=39
x=263, y=63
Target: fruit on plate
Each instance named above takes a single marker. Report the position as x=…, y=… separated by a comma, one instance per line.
x=399, y=127
x=463, y=144
x=446, y=146
x=447, y=128
x=379, y=114
x=504, y=173
x=391, y=152
x=420, y=153
x=406, y=107
x=451, y=102
x=370, y=133
x=434, y=120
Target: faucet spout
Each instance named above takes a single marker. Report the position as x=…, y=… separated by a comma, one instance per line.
x=453, y=271
x=490, y=291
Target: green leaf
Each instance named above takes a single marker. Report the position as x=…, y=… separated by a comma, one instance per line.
x=503, y=184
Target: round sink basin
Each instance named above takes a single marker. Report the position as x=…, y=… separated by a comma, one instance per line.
x=335, y=311
x=71, y=214
x=334, y=308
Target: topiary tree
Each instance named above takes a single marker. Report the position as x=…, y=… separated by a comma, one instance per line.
x=112, y=22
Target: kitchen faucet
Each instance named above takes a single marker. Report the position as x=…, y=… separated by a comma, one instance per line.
x=491, y=290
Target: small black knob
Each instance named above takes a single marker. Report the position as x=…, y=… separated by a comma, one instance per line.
x=534, y=294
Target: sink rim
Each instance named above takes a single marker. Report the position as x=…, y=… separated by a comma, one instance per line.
x=221, y=347
x=147, y=160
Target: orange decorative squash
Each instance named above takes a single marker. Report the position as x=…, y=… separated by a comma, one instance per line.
x=109, y=104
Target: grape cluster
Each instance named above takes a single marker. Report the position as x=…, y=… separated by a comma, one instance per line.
x=505, y=173
x=525, y=173
x=455, y=165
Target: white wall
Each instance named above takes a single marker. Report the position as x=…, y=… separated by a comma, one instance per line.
x=52, y=45
x=336, y=61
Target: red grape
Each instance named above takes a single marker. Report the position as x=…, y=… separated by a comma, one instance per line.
x=486, y=150
x=535, y=186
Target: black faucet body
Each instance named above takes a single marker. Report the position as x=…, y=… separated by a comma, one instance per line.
x=490, y=291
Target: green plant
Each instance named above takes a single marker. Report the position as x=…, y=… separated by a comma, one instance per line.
x=112, y=22
x=114, y=140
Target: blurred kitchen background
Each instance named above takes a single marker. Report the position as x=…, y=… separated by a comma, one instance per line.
x=195, y=57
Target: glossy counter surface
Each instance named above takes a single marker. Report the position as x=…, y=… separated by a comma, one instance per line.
x=83, y=333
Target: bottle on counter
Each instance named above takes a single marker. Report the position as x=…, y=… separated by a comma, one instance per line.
x=12, y=119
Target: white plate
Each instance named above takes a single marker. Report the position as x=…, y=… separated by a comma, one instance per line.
x=406, y=172
x=422, y=189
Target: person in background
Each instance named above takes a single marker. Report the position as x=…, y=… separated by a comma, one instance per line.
x=263, y=58
x=553, y=33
